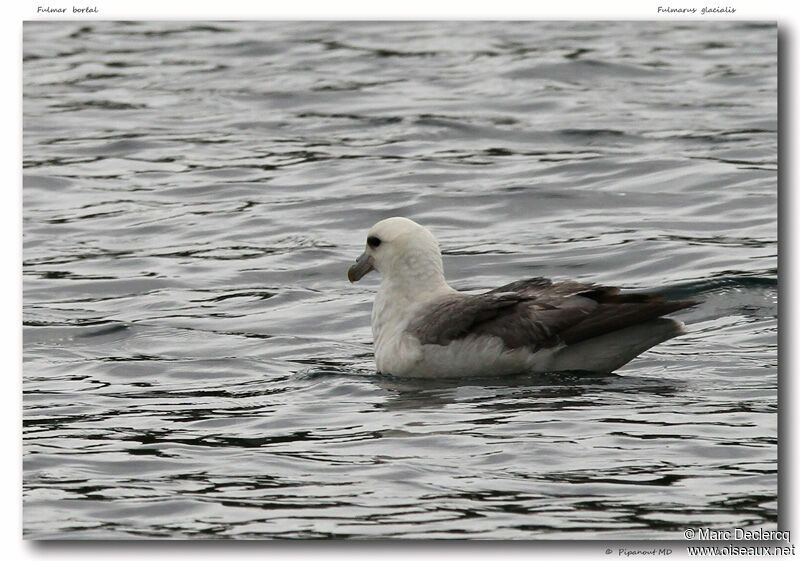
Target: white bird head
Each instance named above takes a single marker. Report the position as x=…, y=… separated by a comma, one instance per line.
x=401, y=251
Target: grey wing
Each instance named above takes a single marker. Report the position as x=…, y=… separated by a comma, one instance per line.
x=540, y=287
x=545, y=310
x=458, y=315
x=537, y=313
x=523, y=314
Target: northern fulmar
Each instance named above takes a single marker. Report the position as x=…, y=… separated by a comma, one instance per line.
x=424, y=328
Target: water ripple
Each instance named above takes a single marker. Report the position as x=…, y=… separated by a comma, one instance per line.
x=197, y=365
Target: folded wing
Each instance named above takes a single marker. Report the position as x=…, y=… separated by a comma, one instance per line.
x=537, y=313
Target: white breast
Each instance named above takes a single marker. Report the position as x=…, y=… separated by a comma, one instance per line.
x=396, y=352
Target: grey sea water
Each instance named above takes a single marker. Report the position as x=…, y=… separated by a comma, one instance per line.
x=197, y=365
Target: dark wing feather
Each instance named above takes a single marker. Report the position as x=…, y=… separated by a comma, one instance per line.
x=537, y=313
x=536, y=323
x=618, y=314
x=457, y=315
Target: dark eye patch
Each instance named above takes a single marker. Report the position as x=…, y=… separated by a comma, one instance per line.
x=373, y=242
